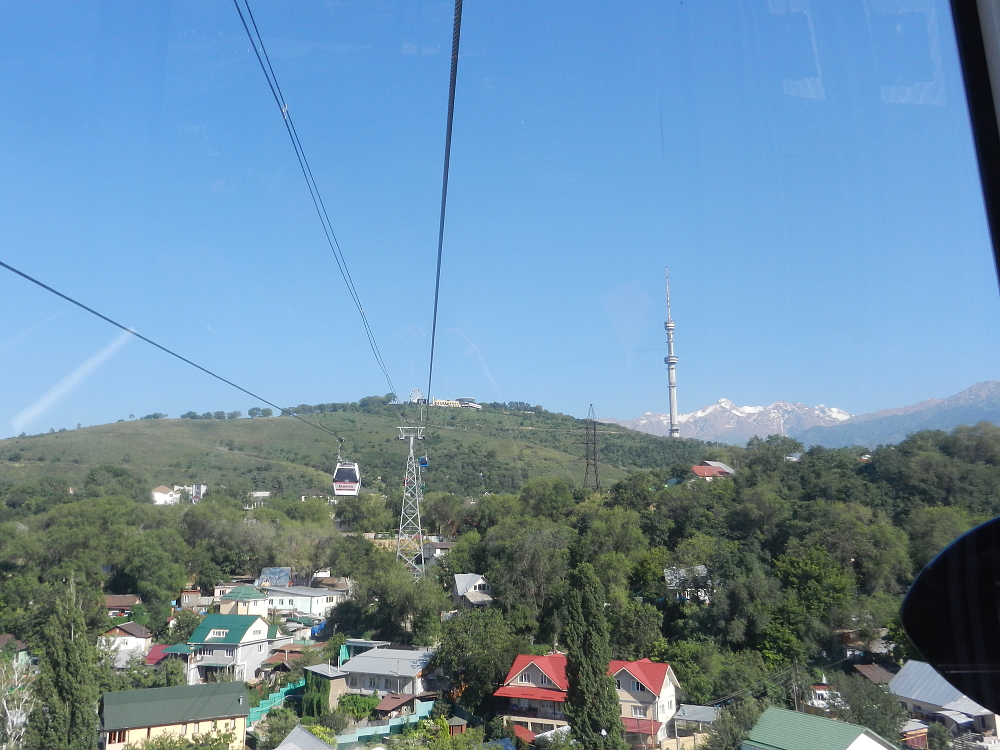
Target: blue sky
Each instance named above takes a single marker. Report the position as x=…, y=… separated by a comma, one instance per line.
x=804, y=167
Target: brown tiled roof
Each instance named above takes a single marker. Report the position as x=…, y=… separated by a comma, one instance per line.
x=121, y=600
x=875, y=672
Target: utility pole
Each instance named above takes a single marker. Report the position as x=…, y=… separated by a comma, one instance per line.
x=671, y=362
x=590, y=476
x=410, y=542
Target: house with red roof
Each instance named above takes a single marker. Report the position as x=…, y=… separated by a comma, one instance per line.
x=532, y=696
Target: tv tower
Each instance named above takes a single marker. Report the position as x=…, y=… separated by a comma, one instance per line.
x=671, y=362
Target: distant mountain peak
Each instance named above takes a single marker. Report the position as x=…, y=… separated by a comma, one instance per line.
x=724, y=421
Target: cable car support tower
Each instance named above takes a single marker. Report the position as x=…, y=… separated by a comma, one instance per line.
x=410, y=542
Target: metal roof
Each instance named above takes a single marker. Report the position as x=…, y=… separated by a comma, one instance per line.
x=781, y=729
x=235, y=626
x=244, y=594
x=699, y=714
x=920, y=682
x=875, y=672
x=301, y=739
x=297, y=591
x=388, y=661
x=477, y=597
x=326, y=670
x=274, y=576
x=464, y=581
x=157, y=707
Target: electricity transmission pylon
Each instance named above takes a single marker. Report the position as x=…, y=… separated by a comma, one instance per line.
x=591, y=477
x=410, y=542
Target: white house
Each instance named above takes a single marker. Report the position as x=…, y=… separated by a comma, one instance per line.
x=195, y=491
x=471, y=590
x=387, y=670
x=163, y=495
x=125, y=641
x=310, y=601
x=434, y=549
x=926, y=695
x=233, y=644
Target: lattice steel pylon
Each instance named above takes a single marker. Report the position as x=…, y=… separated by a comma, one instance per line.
x=591, y=477
x=410, y=542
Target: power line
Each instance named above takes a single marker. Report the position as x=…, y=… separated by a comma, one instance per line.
x=172, y=353
x=257, y=42
x=455, y=38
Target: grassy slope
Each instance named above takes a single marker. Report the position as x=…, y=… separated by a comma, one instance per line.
x=468, y=450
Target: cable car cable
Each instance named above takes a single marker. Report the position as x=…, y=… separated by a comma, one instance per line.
x=257, y=42
x=172, y=353
x=456, y=35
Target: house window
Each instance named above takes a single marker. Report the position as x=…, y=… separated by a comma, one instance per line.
x=184, y=729
x=281, y=601
x=637, y=711
x=371, y=682
x=618, y=684
x=524, y=677
x=260, y=646
x=116, y=736
x=545, y=680
x=230, y=652
x=638, y=687
x=218, y=634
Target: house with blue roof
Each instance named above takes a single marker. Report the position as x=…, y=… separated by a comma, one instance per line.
x=928, y=696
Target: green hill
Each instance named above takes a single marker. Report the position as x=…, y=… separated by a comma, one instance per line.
x=470, y=452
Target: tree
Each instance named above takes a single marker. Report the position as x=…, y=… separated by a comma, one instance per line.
x=591, y=701
x=234, y=414
x=280, y=721
x=551, y=497
x=938, y=737
x=266, y=413
x=358, y=706
x=477, y=648
x=868, y=705
x=17, y=698
x=185, y=623
x=66, y=713
x=316, y=698
x=734, y=723
x=206, y=741
x=635, y=628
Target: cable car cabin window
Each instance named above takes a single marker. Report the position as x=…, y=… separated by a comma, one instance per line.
x=346, y=474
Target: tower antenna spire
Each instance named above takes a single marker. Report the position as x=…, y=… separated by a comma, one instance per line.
x=671, y=362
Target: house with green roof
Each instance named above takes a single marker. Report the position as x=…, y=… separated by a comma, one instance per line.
x=237, y=644
x=781, y=729
x=131, y=716
x=244, y=600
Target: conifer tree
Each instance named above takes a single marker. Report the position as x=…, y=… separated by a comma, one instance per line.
x=592, y=705
x=65, y=715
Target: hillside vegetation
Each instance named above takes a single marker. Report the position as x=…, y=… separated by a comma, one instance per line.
x=769, y=570
x=471, y=452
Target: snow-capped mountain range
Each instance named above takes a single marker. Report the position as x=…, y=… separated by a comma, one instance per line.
x=726, y=422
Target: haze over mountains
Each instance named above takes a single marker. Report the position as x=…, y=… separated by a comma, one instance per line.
x=827, y=426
